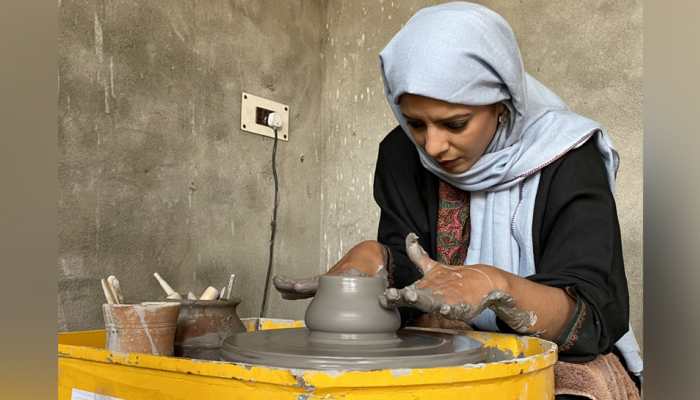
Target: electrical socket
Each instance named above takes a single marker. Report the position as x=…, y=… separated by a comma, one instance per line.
x=254, y=112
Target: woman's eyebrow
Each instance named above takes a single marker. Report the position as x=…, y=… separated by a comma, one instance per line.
x=450, y=118
x=410, y=118
x=453, y=117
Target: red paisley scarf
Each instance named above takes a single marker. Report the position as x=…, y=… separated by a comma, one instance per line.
x=452, y=225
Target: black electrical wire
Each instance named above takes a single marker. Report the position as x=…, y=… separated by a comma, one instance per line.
x=273, y=227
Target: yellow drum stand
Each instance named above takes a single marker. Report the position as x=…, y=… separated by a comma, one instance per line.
x=85, y=368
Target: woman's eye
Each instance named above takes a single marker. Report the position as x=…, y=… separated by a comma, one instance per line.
x=415, y=124
x=456, y=125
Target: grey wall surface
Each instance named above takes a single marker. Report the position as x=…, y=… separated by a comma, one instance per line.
x=155, y=174
x=589, y=52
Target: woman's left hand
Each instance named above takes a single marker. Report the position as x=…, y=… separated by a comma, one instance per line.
x=457, y=292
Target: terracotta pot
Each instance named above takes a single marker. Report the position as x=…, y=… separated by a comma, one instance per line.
x=347, y=308
x=141, y=328
x=203, y=325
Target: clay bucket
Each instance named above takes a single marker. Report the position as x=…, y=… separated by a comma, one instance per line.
x=141, y=328
x=203, y=325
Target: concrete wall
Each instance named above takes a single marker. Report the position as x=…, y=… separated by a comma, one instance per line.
x=155, y=174
x=589, y=52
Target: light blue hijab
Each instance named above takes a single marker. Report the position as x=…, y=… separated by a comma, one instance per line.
x=465, y=53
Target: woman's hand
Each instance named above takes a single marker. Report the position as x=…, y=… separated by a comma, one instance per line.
x=366, y=258
x=435, y=320
x=458, y=292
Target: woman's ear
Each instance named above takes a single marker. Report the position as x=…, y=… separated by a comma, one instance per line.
x=501, y=108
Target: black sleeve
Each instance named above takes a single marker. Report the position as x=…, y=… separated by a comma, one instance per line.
x=577, y=246
x=403, y=191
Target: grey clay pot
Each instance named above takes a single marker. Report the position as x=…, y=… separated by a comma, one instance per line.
x=347, y=328
x=347, y=308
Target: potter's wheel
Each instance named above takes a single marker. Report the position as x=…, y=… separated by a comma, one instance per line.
x=294, y=348
x=346, y=328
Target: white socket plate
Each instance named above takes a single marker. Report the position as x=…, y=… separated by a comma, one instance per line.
x=249, y=103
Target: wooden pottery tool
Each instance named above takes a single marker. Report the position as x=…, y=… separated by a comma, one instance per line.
x=108, y=293
x=115, y=288
x=169, y=292
x=231, y=281
x=211, y=293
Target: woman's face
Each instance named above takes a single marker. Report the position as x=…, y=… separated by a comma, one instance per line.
x=455, y=135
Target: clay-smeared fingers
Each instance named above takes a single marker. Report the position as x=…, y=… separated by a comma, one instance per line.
x=293, y=289
x=391, y=298
x=458, y=312
x=410, y=296
x=422, y=299
x=307, y=285
x=507, y=310
x=282, y=283
x=417, y=254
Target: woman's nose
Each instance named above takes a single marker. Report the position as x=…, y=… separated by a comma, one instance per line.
x=435, y=142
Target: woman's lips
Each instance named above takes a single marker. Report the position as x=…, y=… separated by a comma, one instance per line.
x=449, y=164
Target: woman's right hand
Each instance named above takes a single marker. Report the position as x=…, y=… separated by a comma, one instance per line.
x=364, y=259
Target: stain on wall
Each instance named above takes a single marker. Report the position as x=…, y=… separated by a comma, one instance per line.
x=155, y=173
x=590, y=53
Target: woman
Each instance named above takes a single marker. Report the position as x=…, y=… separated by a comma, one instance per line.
x=508, y=190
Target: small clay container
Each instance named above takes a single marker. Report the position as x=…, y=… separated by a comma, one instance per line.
x=141, y=328
x=347, y=309
x=203, y=325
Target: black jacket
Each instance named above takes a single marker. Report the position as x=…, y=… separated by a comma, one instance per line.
x=576, y=236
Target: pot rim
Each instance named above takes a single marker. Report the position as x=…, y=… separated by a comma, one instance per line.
x=233, y=301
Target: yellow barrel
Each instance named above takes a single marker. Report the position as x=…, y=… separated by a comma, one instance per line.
x=86, y=368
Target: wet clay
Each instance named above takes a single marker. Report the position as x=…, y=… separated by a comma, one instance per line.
x=293, y=348
x=303, y=288
x=354, y=272
x=347, y=308
x=347, y=328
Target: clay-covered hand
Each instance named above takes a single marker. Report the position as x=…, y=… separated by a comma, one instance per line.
x=367, y=258
x=457, y=292
x=293, y=289
x=435, y=320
